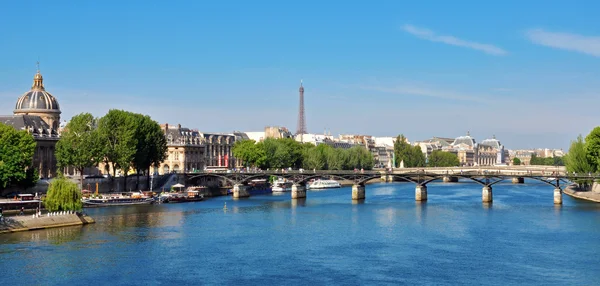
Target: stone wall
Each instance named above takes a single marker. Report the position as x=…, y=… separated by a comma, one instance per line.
x=30, y=222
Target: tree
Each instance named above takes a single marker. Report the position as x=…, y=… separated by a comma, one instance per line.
x=63, y=195
x=16, y=157
x=411, y=155
x=79, y=146
x=577, y=160
x=314, y=158
x=439, y=158
x=592, y=147
x=516, y=161
x=151, y=147
x=245, y=150
x=117, y=134
x=548, y=161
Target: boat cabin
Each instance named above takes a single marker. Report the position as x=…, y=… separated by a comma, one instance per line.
x=25, y=197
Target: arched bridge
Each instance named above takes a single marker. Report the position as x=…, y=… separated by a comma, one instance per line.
x=486, y=177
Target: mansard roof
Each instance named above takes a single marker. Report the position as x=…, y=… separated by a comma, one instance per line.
x=33, y=124
x=183, y=136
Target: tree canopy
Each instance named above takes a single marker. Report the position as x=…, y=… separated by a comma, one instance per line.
x=439, y=158
x=116, y=131
x=592, y=147
x=63, y=195
x=79, y=146
x=121, y=139
x=577, y=160
x=412, y=156
x=286, y=152
x=16, y=158
x=548, y=161
x=516, y=161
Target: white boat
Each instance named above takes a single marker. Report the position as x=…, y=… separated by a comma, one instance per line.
x=324, y=184
x=281, y=185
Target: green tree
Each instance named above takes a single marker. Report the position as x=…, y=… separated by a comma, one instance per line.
x=439, y=158
x=315, y=158
x=592, y=147
x=16, y=157
x=295, y=149
x=335, y=158
x=79, y=146
x=245, y=150
x=516, y=161
x=411, y=155
x=548, y=161
x=63, y=195
x=117, y=134
x=151, y=145
x=577, y=160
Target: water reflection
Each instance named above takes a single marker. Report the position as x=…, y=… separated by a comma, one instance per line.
x=55, y=236
x=300, y=202
x=420, y=211
x=389, y=239
x=487, y=205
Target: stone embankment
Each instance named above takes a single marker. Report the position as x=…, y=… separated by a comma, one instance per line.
x=592, y=196
x=49, y=220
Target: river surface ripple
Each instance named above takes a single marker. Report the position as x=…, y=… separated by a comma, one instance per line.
x=522, y=238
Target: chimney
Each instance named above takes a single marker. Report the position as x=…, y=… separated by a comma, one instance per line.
x=178, y=126
x=166, y=127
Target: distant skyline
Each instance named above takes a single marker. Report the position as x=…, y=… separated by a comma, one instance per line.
x=523, y=71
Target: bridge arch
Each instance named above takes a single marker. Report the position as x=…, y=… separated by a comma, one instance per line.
x=215, y=175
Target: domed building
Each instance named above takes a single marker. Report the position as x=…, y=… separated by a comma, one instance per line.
x=39, y=102
x=37, y=112
x=489, y=152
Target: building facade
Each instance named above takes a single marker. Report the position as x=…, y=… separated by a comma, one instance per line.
x=37, y=112
x=218, y=150
x=189, y=150
x=186, y=150
x=470, y=153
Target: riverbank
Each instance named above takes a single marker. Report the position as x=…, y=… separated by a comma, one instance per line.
x=586, y=195
x=31, y=222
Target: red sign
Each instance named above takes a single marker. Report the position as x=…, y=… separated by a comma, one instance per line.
x=226, y=160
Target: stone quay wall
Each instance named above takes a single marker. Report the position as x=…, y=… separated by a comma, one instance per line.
x=34, y=222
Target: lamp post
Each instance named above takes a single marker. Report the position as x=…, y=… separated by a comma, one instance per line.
x=151, y=180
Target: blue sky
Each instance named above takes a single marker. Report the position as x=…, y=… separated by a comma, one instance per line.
x=525, y=71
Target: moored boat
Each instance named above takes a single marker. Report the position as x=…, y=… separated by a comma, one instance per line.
x=188, y=196
x=121, y=199
x=281, y=185
x=323, y=184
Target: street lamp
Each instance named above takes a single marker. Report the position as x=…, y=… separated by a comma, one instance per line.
x=151, y=180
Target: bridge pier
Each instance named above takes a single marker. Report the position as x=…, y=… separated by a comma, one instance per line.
x=298, y=191
x=358, y=192
x=557, y=196
x=421, y=193
x=518, y=180
x=450, y=179
x=486, y=195
x=240, y=191
x=386, y=178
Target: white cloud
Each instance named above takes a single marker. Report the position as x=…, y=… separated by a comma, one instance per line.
x=427, y=92
x=566, y=41
x=429, y=35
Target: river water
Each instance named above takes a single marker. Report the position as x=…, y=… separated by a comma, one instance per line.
x=522, y=238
